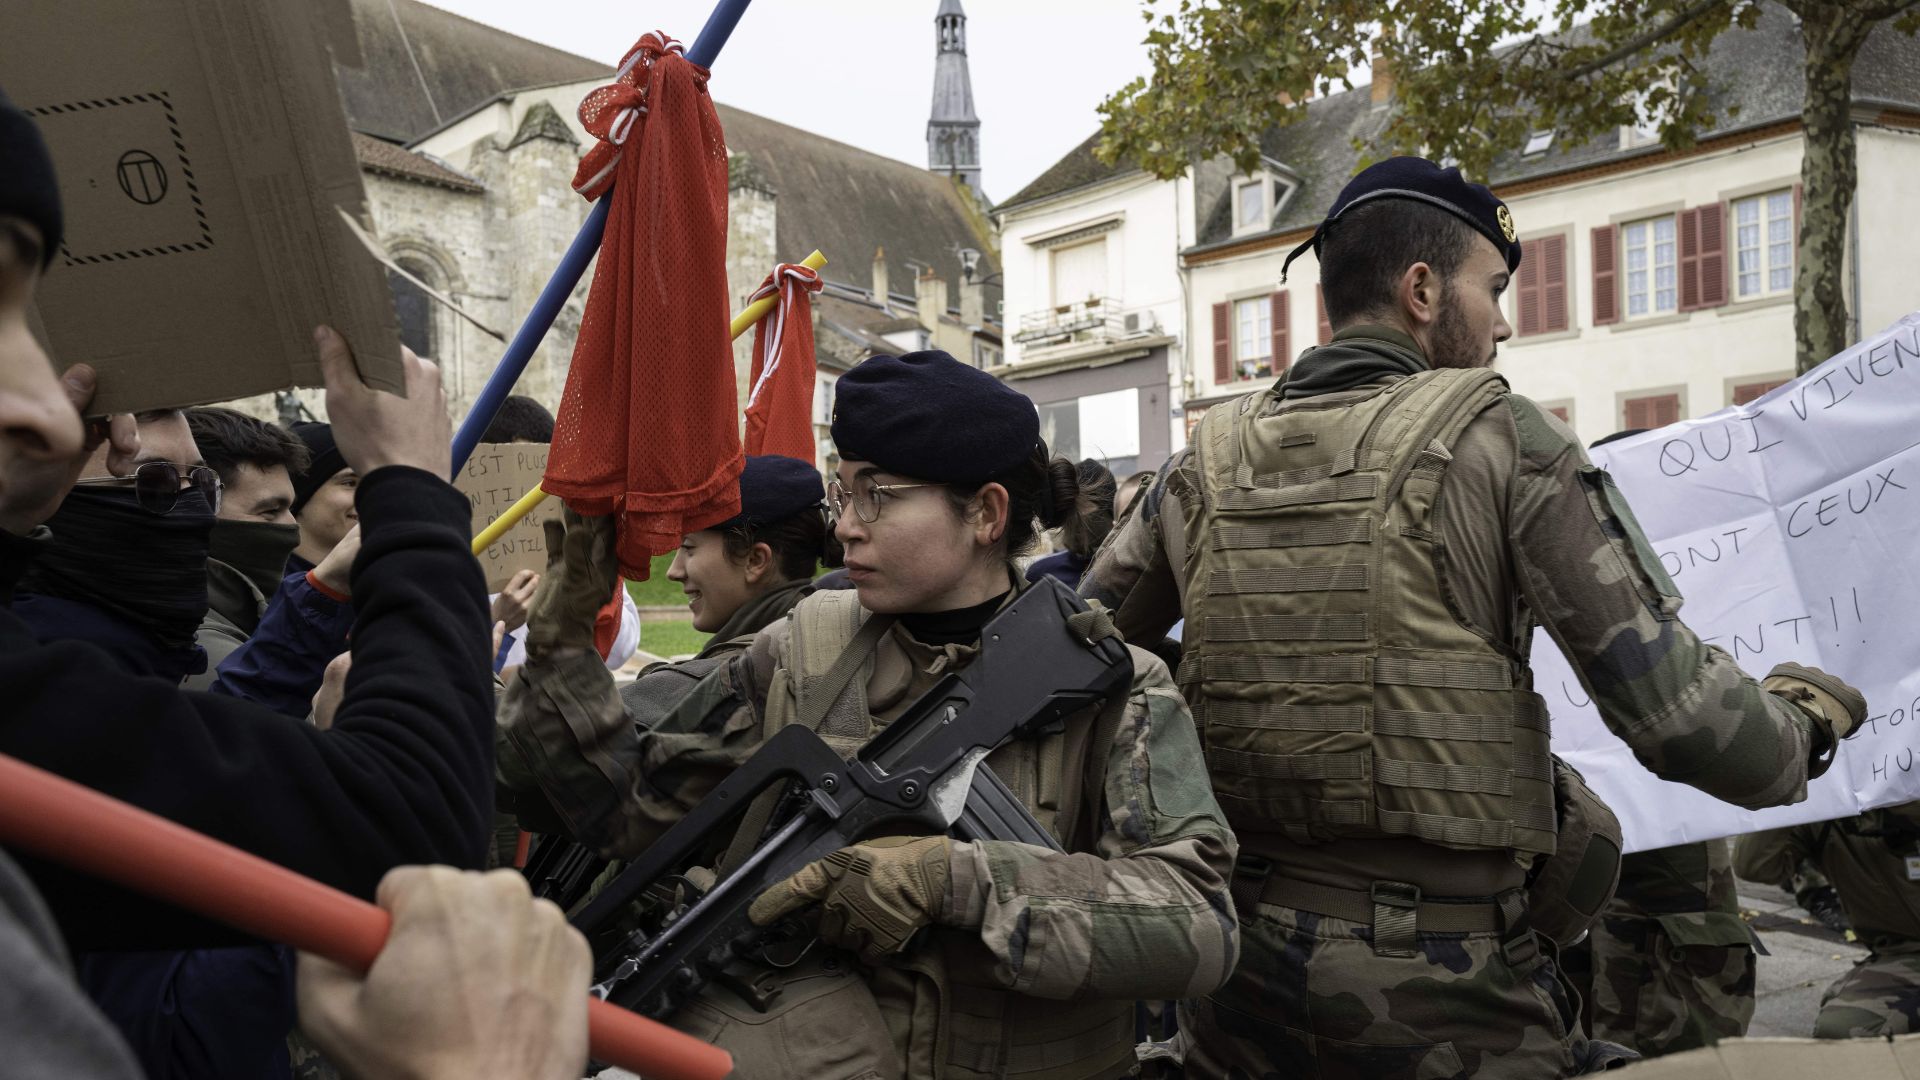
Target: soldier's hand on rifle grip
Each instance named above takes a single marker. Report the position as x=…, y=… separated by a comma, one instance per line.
x=873, y=896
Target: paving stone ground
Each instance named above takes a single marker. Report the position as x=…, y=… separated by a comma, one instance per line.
x=1805, y=958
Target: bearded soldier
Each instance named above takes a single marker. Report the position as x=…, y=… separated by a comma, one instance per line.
x=1361, y=553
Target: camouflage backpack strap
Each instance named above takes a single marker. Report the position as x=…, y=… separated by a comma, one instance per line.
x=823, y=616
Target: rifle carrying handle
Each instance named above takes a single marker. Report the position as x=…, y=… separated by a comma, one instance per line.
x=64, y=822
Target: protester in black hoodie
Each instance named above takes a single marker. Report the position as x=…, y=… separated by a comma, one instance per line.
x=404, y=775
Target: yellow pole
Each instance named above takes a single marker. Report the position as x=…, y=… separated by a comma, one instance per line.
x=742, y=322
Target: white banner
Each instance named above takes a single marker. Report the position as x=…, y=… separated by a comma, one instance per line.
x=1790, y=526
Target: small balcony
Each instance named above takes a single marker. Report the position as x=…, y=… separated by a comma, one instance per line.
x=1100, y=320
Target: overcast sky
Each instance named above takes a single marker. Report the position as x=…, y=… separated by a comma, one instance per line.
x=861, y=71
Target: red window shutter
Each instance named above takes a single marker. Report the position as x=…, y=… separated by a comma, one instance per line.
x=1222, y=344
x=1553, y=284
x=1666, y=410
x=1750, y=391
x=1320, y=306
x=1561, y=412
x=1277, y=322
x=1527, y=290
x=1689, y=222
x=1713, y=254
x=1606, y=292
x=1637, y=412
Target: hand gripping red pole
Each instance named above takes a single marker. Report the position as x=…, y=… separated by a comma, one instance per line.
x=67, y=823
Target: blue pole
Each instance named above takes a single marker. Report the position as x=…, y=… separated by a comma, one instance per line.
x=713, y=36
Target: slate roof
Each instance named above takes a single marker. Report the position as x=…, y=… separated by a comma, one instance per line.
x=1758, y=69
x=387, y=159
x=462, y=64
x=848, y=202
x=843, y=200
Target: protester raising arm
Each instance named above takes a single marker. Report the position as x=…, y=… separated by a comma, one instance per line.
x=404, y=776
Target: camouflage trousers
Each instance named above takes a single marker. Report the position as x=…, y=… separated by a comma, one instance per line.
x=1310, y=1000
x=1880, y=996
x=1666, y=983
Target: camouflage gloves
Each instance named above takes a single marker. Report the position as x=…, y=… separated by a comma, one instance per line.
x=873, y=896
x=581, y=571
x=1820, y=694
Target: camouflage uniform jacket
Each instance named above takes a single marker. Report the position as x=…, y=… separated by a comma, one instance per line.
x=1568, y=557
x=660, y=687
x=1867, y=859
x=1142, y=913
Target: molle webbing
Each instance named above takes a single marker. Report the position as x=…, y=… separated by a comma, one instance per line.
x=1339, y=694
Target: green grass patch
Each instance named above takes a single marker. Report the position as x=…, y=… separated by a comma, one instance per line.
x=657, y=591
x=672, y=638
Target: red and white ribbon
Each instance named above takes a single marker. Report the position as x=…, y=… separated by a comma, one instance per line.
x=610, y=112
x=789, y=280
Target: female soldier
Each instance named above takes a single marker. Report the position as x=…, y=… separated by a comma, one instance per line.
x=1031, y=959
x=742, y=574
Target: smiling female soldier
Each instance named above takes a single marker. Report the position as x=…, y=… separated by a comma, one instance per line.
x=1032, y=959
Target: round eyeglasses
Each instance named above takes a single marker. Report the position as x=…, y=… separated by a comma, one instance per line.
x=864, y=495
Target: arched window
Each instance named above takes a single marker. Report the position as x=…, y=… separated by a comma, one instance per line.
x=415, y=309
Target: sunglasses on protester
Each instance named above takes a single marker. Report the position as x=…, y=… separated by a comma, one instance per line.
x=156, y=484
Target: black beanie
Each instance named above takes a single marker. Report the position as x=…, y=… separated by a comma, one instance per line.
x=325, y=461
x=28, y=188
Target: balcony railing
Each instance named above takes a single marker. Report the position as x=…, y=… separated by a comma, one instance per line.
x=1096, y=320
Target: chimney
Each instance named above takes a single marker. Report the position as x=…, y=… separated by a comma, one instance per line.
x=880, y=275
x=973, y=303
x=930, y=297
x=1382, y=89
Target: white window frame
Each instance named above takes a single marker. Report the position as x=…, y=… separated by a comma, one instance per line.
x=1265, y=185
x=1261, y=335
x=1769, y=259
x=1649, y=246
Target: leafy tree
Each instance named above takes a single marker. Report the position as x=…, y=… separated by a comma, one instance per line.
x=1473, y=78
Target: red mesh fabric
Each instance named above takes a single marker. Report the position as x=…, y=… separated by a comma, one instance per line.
x=647, y=426
x=780, y=403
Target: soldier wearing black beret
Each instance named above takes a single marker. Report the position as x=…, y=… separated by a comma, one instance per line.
x=922, y=963
x=1361, y=552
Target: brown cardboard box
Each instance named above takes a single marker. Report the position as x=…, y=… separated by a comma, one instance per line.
x=493, y=479
x=204, y=162
x=1788, y=1059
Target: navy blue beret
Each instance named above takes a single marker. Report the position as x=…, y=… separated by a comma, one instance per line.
x=28, y=188
x=774, y=487
x=1422, y=180
x=931, y=417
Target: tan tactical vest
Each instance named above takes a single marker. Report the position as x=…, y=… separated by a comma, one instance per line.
x=958, y=1019
x=1337, y=691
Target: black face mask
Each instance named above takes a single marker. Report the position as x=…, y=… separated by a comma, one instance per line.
x=149, y=569
x=258, y=549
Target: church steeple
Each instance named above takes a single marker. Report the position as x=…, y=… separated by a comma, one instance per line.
x=953, y=131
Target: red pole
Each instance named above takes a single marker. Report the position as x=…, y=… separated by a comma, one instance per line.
x=67, y=823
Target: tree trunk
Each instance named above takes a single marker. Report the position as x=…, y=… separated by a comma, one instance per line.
x=1829, y=172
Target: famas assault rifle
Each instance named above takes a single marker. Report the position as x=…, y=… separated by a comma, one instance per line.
x=922, y=775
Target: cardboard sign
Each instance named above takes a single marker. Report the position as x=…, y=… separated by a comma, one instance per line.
x=1787, y=524
x=494, y=479
x=204, y=163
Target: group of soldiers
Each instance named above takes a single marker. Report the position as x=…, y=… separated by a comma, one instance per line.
x=1334, y=833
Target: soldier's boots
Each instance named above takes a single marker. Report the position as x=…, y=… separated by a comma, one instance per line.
x=1823, y=903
